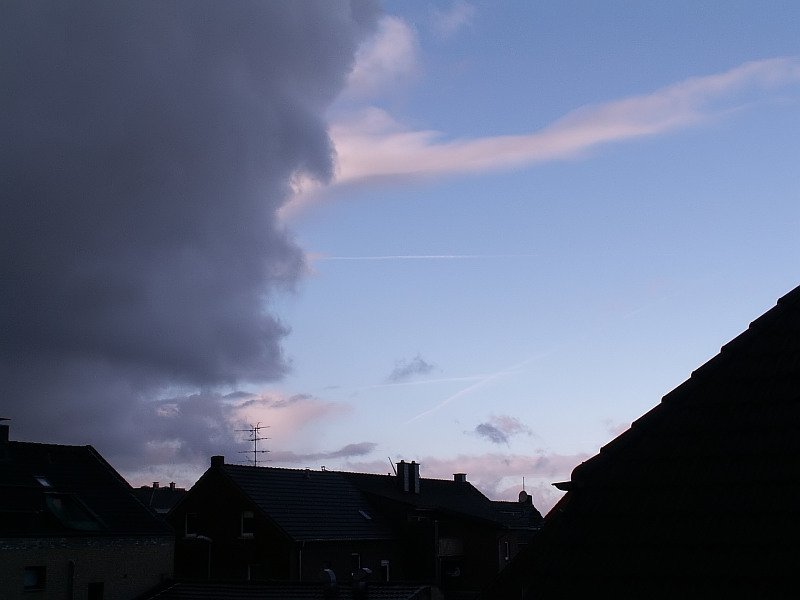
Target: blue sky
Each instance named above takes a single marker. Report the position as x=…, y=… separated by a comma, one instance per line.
x=485, y=236
x=559, y=297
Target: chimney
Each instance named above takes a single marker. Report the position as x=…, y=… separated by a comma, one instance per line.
x=403, y=478
x=217, y=461
x=460, y=477
x=155, y=485
x=172, y=485
x=414, y=477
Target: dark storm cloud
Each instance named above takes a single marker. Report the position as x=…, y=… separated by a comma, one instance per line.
x=146, y=149
x=406, y=369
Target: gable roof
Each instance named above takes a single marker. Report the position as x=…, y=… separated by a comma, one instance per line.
x=701, y=494
x=443, y=495
x=56, y=490
x=310, y=505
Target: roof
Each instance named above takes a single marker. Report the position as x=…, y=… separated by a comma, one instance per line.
x=442, y=495
x=283, y=591
x=159, y=499
x=56, y=490
x=310, y=505
x=701, y=494
x=516, y=515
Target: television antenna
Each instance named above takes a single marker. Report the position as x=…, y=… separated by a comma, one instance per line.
x=255, y=437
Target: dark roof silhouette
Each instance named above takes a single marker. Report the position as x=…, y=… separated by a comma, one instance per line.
x=56, y=490
x=309, y=505
x=443, y=495
x=701, y=496
x=284, y=591
x=160, y=498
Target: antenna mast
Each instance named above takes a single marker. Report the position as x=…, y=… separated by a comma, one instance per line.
x=255, y=437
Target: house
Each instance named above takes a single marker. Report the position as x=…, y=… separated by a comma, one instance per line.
x=450, y=533
x=243, y=522
x=159, y=498
x=699, y=498
x=71, y=527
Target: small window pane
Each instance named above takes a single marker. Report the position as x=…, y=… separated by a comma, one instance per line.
x=34, y=578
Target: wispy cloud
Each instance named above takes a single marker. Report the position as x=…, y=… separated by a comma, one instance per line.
x=483, y=381
x=406, y=369
x=450, y=20
x=350, y=450
x=374, y=145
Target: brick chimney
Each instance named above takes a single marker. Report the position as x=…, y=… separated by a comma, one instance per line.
x=460, y=477
x=217, y=461
x=408, y=476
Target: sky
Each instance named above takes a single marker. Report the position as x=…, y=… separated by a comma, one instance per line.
x=485, y=236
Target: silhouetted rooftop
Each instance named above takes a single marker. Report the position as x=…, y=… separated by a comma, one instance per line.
x=55, y=490
x=700, y=496
x=309, y=505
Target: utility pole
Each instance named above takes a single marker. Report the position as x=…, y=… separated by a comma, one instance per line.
x=255, y=437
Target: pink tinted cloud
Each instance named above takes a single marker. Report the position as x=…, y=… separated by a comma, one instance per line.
x=374, y=145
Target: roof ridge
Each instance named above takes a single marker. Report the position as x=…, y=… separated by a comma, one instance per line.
x=728, y=351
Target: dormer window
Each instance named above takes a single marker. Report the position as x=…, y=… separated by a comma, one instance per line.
x=71, y=512
x=248, y=524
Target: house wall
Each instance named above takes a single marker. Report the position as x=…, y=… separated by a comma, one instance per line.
x=338, y=556
x=126, y=566
x=267, y=554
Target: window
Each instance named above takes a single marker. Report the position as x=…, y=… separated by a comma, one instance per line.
x=34, y=578
x=248, y=524
x=365, y=514
x=71, y=512
x=507, y=550
x=192, y=523
x=355, y=562
x=43, y=481
x=95, y=590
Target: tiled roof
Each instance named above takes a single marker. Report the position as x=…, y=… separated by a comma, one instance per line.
x=516, y=514
x=701, y=495
x=55, y=490
x=310, y=505
x=444, y=495
x=284, y=591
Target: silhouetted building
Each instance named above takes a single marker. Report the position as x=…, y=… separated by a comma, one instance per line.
x=290, y=524
x=699, y=498
x=160, y=499
x=71, y=527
